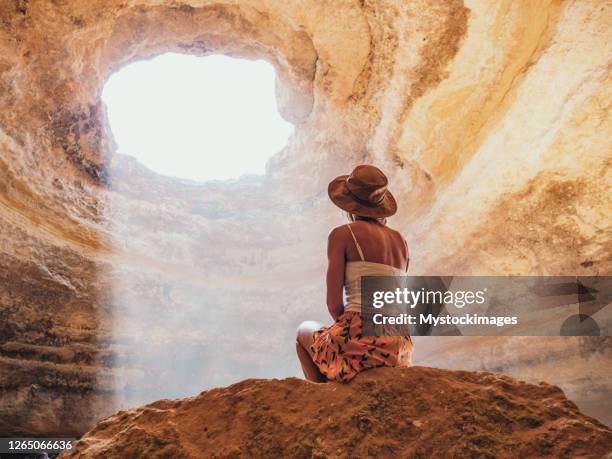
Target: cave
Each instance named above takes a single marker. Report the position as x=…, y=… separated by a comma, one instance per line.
x=119, y=286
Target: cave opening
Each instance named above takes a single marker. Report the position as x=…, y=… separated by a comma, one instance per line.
x=193, y=228
x=197, y=118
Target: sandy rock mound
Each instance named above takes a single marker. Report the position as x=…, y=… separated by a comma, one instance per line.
x=414, y=412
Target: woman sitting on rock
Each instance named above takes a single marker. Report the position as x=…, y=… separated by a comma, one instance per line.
x=364, y=247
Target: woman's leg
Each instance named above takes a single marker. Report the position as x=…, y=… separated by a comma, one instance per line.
x=302, y=346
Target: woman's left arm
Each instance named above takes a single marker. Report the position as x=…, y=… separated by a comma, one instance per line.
x=335, y=272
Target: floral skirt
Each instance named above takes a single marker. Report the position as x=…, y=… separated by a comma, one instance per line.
x=340, y=351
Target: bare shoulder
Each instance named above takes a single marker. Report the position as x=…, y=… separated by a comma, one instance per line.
x=394, y=231
x=337, y=240
x=338, y=233
x=399, y=235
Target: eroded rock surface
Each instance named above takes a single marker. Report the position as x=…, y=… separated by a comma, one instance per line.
x=414, y=412
x=119, y=287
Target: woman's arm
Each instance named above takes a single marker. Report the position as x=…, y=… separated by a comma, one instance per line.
x=335, y=271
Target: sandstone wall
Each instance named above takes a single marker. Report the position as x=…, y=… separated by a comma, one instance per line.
x=118, y=286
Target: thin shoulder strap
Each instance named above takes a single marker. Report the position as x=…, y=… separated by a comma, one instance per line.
x=356, y=243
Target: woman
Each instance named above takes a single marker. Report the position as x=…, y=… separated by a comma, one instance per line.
x=364, y=247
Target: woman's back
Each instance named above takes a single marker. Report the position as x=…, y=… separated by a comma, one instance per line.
x=384, y=253
x=378, y=243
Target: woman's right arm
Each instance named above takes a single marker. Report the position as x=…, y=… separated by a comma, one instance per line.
x=335, y=272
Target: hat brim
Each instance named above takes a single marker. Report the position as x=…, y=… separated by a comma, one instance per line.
x=341, y=196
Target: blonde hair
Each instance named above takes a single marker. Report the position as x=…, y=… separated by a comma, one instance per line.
x=353, y=218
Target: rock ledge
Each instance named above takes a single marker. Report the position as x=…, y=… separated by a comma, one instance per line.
x=413, y=412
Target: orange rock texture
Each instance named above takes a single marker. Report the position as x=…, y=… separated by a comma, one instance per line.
x=414, y=412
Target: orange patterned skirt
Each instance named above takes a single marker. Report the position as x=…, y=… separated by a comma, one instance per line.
x=340, y=351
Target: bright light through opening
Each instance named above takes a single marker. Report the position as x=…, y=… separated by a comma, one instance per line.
x=199, y=118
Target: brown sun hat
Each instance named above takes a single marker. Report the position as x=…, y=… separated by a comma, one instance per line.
x=363, y=193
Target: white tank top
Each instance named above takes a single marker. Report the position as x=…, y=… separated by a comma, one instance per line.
x=355, y=270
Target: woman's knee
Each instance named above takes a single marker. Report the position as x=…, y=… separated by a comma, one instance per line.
x=305, y=331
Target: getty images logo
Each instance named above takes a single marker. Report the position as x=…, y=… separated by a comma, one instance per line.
x=412, y=298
